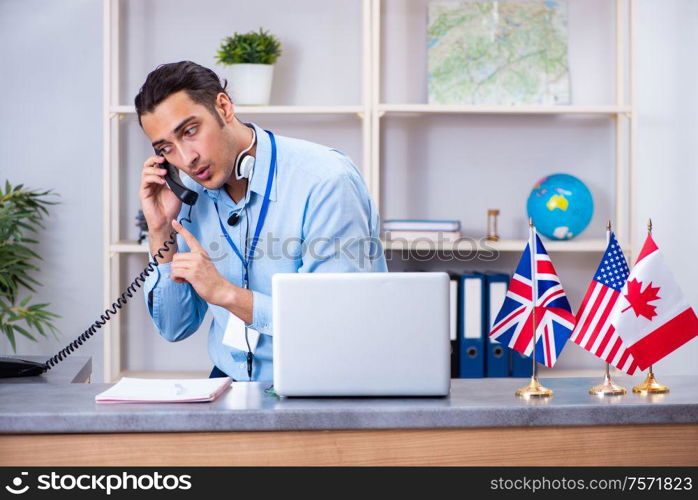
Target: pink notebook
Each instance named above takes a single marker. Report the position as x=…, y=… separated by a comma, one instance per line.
x=144, y=390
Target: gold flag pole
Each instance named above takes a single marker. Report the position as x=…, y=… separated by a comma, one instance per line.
x=650, y=385
x=607, y=387
x=534, y=389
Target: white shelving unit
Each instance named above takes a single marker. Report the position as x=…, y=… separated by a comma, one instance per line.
x=270, y=110
x=467, y=245
x=502, y=110
x=369, y=114
x=464, y=245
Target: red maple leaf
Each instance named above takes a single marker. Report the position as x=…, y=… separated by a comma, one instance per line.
x=640, y=299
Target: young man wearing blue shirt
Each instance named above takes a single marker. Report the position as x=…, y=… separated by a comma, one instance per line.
x=315, y=210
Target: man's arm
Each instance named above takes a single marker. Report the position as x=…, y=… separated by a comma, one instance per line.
x=175, y=308
x=340, y=227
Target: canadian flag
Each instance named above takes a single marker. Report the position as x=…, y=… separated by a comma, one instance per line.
x=651, y=315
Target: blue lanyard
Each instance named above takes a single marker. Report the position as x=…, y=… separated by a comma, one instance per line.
x=262, y=215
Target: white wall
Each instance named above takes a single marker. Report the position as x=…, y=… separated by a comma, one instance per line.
x=51, y=110
x=50, y=137
x=667, y=104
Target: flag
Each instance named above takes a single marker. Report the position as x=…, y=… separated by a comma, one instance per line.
x=651, y=315
x=554, y=319
x=594, y=331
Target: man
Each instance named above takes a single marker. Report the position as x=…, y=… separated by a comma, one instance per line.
x=315, y=211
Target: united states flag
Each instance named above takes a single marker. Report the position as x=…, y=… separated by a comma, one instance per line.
x=594, y=331
x=554, y=319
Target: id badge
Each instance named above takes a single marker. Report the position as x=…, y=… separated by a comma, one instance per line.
x=234, y=335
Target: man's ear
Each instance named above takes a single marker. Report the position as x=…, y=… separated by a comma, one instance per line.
x=225, y=107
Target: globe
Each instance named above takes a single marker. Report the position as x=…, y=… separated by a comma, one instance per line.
x=561, y=206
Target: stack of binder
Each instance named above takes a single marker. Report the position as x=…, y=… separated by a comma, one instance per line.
x=478, y=298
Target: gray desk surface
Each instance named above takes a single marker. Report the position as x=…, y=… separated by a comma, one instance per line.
x=72, y=370
x=70, y=408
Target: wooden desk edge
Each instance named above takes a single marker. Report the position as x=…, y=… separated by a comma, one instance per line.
x=626, y=445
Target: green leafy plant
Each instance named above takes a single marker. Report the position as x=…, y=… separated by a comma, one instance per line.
x=21, y=213
x=253, y=48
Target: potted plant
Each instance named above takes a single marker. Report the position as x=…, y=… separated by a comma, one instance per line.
x=250, y=59
x=21, y=212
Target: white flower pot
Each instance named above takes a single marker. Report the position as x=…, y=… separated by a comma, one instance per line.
x=250, y=83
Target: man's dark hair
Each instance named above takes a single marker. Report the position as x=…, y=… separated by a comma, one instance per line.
x=201, y=84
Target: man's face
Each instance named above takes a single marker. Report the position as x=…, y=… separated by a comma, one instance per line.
x=192, y=139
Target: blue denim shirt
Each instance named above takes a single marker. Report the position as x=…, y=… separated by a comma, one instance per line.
x=320, y=218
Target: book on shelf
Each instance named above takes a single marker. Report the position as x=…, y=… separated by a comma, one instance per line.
x=423, y=235
x=420, y=225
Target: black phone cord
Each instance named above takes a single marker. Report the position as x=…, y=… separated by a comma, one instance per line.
x=120, y=302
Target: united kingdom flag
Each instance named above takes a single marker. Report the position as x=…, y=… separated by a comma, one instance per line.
x=554, y=319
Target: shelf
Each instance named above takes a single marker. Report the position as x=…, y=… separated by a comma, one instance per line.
x=503, y=110
x=464, y=245
x=128, y=246
x=473, y=245
x=269, y=110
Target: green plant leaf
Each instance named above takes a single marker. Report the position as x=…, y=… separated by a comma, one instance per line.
x=24, y=284
x=22, y=212
x=11, y=337
x=252, y=47
x=40, y=328
x=24, y=332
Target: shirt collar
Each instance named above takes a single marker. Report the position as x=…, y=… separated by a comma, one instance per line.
x=260, y=174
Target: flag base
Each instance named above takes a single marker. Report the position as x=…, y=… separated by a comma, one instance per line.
x=607, y=388
x=650, y=386
x=534, y=390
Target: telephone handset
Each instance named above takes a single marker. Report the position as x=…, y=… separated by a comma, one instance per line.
x=15, y=367
x=176, y=185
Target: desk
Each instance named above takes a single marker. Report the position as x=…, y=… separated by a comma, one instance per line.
x=479, y=423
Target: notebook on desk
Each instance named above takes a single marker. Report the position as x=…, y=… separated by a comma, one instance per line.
x=361, y=334
x=143, y=390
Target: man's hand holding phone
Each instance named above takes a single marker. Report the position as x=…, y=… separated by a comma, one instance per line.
x=159, y=203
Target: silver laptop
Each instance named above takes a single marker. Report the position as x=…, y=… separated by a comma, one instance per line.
x=361, y=334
